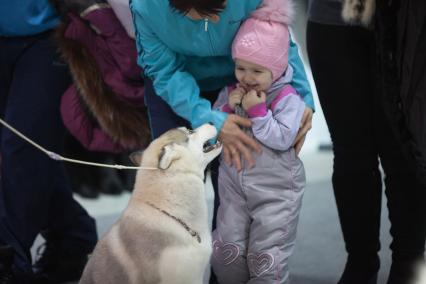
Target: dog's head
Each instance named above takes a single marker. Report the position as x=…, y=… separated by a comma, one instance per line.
x=183, y=149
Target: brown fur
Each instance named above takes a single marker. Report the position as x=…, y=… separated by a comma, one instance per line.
x=127, y=124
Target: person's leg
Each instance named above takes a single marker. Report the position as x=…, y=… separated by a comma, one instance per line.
x=341, y=59
x=231, y=234
x=406, y=203
x=10, y=51
x=161, y=116
x=35, y=190
x=274, y=191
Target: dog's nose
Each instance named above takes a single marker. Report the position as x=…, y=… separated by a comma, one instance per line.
x=211, y=123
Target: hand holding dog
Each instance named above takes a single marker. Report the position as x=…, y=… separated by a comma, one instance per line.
x=253, y=98
x=236, y=142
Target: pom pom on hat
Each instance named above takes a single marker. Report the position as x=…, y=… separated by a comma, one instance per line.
x=279, y=11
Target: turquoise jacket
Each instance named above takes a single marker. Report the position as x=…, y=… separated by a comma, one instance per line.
x=182, y=56
x=26, y=17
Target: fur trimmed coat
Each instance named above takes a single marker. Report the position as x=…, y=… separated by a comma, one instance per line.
x=104, y=108
x=400, y=29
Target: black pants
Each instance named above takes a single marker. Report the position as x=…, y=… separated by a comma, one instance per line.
x=35, y=194
x=342, y=61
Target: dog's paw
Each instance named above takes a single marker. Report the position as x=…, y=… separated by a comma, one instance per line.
x=358, y=11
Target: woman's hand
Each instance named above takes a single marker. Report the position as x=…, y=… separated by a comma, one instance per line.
x=236, y=142
x=305, y=126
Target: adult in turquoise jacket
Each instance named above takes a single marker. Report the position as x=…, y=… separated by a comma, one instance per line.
x=184, y=47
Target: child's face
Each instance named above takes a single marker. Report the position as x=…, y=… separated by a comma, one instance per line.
x=252, y=76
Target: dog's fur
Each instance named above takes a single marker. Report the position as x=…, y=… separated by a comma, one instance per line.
x=147, y=245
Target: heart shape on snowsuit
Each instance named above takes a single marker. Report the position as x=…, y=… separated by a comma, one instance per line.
x=226, y=253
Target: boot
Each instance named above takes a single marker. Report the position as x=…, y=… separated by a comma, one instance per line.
x=361, y=270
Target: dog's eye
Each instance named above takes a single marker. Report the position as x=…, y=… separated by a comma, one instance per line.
x=190, y=131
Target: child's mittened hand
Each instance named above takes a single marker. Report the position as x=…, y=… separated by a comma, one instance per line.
x=253, y=98
x=235, y=97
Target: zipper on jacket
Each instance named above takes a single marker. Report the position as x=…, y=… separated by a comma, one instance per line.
x=206, y=24
x=206, y=30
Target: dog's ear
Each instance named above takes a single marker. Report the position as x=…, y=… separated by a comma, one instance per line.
x=136, y=157
x=167, y=156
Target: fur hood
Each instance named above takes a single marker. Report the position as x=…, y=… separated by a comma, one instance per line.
x=359, y=11
x=124, y=122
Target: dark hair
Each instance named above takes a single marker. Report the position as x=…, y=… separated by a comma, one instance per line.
x=203, y=7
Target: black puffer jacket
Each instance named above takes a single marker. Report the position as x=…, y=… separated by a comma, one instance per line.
x=401, y=44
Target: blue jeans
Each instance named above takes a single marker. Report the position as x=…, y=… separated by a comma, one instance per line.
x=35, y=194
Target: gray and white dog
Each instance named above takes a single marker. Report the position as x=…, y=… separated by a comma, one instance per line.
x=163, y=236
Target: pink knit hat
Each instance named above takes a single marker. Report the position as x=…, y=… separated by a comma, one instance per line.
x=263, y=39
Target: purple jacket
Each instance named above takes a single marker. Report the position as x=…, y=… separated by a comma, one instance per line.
x=276, y=122
x=105, y=110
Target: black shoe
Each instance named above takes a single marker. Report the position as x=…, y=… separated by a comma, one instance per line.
x=6, y=260
x=55, y=266
x=360, y=270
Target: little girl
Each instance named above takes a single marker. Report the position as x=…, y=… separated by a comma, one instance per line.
x=259, y=207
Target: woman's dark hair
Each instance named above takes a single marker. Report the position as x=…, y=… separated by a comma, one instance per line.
x=203, y=7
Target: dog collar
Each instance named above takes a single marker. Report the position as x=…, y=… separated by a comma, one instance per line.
x=193, y=233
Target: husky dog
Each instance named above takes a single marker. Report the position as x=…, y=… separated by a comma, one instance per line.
x=163, y=236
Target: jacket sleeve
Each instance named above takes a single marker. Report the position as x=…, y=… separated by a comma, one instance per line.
x=171, y=82
x=221, y=102
x=279, y=127
x=300, y=81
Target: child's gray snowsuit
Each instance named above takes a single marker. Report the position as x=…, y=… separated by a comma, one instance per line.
x=259, y=207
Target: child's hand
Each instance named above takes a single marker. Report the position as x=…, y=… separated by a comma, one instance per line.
x=235, y=97
x=253, y=98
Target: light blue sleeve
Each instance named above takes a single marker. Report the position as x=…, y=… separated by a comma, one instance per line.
x=171, y=82
x=300, y=80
